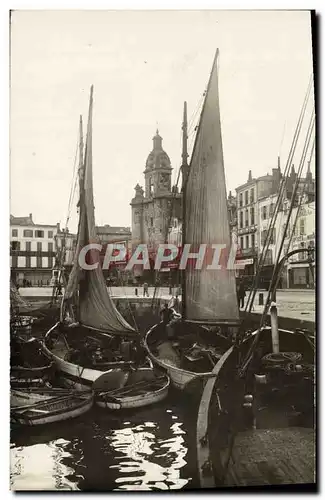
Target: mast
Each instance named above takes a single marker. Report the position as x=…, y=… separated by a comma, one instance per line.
x=184, y=169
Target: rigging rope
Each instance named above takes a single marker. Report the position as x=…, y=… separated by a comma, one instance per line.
x=253, y=290
x=274, y=277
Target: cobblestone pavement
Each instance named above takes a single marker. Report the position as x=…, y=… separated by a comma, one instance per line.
x=298, y=304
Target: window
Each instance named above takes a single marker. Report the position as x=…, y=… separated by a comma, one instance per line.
x=253, y=240
x=264, y=213
x=252, y=216
x=241, y=199
x=246, y=217
x=14, y=233
x=28, y=261
x=241, y=220
x=263, y=236
x=39, y=234
x=150, y=186
x=242, y=242
x=39, y=246
x=151, y=221
x=50, y=261
x=28, y=233
x=28, y=246
x=271, y=209
x=252, y=195
x=302, y=226
x=50, y=247
x=50, y=234
x=247, y=241
x=272, y=237
x=15, y=245
x=246, y=197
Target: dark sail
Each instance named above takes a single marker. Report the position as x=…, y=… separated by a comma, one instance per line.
x=95, y=307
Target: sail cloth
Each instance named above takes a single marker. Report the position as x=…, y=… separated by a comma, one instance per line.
x=210, y=294
x=96, y=308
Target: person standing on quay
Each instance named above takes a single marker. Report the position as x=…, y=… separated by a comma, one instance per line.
x=145, y=289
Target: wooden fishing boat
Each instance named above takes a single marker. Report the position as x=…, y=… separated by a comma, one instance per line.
x=142, y=387
x=92, y=339
x=186, y=358
x=256, y=420
x=259, y=429
x=55, y=409
x=210, y=314
x=28, y=361
x=24, y=395
x=81, y=367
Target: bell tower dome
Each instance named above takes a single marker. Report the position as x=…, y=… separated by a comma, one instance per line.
x=158, y=170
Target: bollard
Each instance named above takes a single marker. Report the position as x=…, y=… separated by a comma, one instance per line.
x=260, y=299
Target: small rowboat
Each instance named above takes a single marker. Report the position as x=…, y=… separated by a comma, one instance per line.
x=23, y=395
x=142, y=387
x=53, y=409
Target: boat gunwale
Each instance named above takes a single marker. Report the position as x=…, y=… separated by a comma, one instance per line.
x=207, y=479
x=165, y=365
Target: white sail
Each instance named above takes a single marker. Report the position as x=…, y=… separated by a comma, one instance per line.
x=210, y=294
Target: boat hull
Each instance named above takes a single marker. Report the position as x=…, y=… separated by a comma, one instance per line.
x=148, y=396
x=181, y=378
x=77, y=376
x=44, y=416
x=221, y=412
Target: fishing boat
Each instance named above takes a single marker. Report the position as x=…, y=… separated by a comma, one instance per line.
x=20, y=324
x=92, y=339
x=259, y=429
x=256, y=419
x=210, y=314
x=142, y=387
x=53, y=409
x=25, y=395
x=29, y=363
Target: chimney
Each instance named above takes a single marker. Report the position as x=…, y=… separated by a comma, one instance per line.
x=249, y=176
x=58, y=227
x=31, y=217
x=279, y=164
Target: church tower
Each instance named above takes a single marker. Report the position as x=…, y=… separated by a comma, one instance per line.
x=151, y=207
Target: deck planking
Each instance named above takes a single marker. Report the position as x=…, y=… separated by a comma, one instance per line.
x=272, y=456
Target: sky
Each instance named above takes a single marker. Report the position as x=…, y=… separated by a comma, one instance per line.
x=143, y=65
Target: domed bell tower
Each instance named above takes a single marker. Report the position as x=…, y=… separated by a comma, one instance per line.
x=158, y=170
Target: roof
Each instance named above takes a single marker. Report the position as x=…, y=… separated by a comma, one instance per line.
x=21, y=221
x=107, y=229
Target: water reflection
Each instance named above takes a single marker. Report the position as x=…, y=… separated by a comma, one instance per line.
x=40, y=467
x=152, y=463
x=148, y=450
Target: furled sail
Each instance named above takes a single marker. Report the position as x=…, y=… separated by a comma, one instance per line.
x=210, y=293
x=95, y=308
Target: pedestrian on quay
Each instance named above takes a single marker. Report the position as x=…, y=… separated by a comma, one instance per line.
x=145, y=289
x=241, y=293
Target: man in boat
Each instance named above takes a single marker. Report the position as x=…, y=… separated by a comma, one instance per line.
x=169, y=318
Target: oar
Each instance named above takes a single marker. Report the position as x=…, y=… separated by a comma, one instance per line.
x=129, y=388
x=33, y=406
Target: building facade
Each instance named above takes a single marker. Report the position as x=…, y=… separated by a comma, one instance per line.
x=156, y=207
x=33, y=250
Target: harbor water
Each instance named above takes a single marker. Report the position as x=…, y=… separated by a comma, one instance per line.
x=147, y=449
